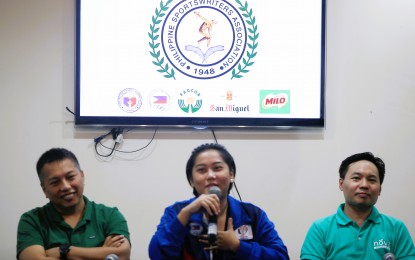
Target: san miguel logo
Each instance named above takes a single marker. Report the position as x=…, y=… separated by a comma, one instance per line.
x=203, y=39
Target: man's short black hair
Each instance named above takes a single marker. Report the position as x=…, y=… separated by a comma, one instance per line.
x=55, y=155
x=366, y=156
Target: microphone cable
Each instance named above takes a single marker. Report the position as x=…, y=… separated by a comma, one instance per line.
x=214, y=135
x=240, y=199
x=234, y=182
x=237, y=191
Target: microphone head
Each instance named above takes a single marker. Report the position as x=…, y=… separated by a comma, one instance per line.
x=389, y=256
x=111, y=257
x=215, y=190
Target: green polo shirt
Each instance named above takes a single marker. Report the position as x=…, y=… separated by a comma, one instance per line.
x=44, y=226
x=338, y=237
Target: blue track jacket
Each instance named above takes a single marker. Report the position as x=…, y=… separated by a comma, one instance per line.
x=258, y=237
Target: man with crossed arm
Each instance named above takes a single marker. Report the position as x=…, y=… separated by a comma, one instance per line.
x=70, y=226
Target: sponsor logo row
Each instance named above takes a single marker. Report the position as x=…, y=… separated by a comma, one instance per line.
x=130, y=100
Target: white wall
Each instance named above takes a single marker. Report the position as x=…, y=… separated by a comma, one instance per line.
x=292, y=175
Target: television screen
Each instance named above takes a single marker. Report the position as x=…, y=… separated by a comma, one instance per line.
x=200, y=63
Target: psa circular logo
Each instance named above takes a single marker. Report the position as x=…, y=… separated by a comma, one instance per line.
x=130, y=100
x=203, y=39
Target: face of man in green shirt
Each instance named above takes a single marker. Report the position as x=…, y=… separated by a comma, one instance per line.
x=63, y=184
x=361, y=185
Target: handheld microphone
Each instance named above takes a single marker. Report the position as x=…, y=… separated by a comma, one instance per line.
x=213, y=220
x=111, y=257
x=389, y=256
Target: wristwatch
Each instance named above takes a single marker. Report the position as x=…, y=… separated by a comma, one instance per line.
x=63, y=250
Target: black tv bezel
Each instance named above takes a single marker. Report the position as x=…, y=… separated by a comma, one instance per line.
x=201, y=122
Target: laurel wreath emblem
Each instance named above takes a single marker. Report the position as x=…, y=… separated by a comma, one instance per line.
x=253, y=36
x=153, y=34
x=164, y=67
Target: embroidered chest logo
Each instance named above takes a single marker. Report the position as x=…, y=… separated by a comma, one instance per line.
x=244, y=232
x=195, y=229
x=381, y=244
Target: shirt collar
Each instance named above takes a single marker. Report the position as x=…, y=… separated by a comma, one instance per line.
x=55, y=216
x=342, y=219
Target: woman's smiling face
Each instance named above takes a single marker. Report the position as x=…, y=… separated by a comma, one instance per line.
x=211, y=170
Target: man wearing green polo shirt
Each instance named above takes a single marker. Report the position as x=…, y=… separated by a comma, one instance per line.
x=70, y=226
x=358, y=230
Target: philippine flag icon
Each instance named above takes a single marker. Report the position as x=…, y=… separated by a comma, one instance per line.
x=160, y=100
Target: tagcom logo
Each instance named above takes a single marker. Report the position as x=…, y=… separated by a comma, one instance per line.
x=129, y=100
x=190, y=101
x=274, y=102
x=203, y=39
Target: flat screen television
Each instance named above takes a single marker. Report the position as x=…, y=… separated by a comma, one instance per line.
x=200, y=63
